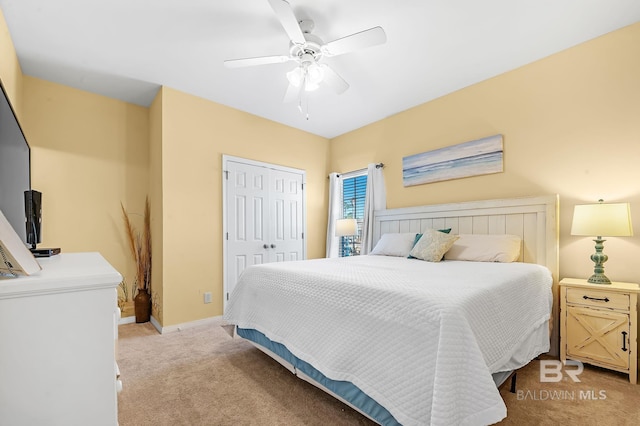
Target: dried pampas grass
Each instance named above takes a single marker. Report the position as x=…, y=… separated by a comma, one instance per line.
x=140, y=247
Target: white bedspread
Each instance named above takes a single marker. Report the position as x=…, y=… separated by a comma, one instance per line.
x=420, y=338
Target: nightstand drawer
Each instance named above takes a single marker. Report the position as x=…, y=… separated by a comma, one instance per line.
x=597, y=298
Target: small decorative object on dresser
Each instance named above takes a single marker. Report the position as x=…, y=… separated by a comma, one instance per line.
x=599, y=325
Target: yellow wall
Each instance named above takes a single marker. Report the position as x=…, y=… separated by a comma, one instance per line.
x=571, y=125
x=195, y=135
x=88, y=154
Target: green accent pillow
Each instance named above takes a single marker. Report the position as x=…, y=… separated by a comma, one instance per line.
x=418, y=236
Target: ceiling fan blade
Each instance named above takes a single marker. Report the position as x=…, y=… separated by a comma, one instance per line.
x=333, y=80
x=261, y=60
x=363, y=39
x=288, y=20
x=292, y=93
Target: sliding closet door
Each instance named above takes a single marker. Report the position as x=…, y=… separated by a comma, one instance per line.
x=263, y=216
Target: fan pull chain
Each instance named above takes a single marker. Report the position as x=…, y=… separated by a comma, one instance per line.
x=304, y=110
x=304, y=98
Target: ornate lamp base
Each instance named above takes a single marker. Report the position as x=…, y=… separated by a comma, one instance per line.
x=599, y=258
x=599, y=279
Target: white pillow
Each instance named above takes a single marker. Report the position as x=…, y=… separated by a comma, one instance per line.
x=432, y=245
x=485, y=248
x=394, y=244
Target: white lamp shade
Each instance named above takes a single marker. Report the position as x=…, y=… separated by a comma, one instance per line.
x=346, y=227
x=295, y=76
x=311, y=74
x=602, y=220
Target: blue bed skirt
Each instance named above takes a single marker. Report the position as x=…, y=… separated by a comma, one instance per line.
x=345, y=390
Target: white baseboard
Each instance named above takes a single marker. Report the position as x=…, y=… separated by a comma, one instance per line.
x=178, y=327
x=127, y=320
x=131, y=319
x=156, y=324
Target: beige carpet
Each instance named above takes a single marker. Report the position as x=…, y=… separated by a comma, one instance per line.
x=200, y=376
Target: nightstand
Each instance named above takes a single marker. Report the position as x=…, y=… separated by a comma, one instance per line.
x=599, y=324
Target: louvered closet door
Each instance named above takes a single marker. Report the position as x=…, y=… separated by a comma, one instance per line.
x=598, y=335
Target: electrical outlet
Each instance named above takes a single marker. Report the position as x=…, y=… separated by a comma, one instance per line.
x=207, y=297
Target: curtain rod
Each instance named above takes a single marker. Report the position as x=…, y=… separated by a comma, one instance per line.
x=378, y=166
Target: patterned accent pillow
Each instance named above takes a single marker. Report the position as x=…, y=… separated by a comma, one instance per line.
x=418, y=236
x=433, y=245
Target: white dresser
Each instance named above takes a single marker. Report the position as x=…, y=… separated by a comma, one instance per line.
x=57, y=333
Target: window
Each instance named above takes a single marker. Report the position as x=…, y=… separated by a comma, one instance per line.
x=354, y=188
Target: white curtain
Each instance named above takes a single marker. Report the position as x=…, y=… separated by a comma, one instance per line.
x=335, y=213
x=375, y=199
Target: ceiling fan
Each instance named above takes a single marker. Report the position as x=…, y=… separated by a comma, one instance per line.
x=307, y=50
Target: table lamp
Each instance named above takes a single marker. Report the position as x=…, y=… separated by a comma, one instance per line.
x=598, y=220
x=347, y=228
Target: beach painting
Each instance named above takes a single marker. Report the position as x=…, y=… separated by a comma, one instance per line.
x=479, y=157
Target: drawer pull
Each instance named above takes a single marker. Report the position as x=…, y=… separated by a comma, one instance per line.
x=624, y=341
x=604, y=299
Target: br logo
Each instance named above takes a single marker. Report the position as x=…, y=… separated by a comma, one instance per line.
x=554, y=371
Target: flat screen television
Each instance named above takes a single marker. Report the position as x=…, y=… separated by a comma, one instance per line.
x=15, y=168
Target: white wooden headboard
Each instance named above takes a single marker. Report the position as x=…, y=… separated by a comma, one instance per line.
x=534, y=219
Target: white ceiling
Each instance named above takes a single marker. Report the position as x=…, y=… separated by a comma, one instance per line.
x=127, y=49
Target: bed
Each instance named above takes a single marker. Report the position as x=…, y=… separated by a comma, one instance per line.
x=406, y=341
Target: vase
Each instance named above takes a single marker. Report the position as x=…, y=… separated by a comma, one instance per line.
x=142, y=305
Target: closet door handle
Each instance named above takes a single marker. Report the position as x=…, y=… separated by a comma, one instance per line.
x=624, y=341
x=265, y=246
x=273, y=246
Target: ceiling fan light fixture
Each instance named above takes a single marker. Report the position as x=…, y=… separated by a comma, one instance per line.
x=310, y=87
x=315, y=74
x=311, y=75
x=296, y=76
